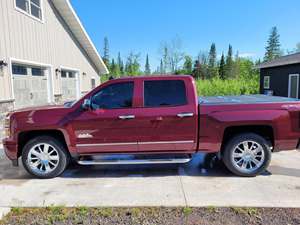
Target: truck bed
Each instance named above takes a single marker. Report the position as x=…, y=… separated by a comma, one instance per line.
x=243, y=99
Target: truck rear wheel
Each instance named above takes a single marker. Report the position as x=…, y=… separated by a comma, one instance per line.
x=45, y=157
x=247, y=155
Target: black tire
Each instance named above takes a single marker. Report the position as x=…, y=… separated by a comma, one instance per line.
x=63, y=159
x=233, y=166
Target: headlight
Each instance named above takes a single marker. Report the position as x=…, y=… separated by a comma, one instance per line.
x=7, y=126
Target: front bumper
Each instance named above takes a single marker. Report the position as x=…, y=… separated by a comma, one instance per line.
x=11, y=150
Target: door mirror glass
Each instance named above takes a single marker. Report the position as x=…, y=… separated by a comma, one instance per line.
x=86, y=104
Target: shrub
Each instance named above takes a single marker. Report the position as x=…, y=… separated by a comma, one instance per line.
x=217, y=86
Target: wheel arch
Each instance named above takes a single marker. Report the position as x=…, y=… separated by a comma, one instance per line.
x=265, y=131
x=25, y=136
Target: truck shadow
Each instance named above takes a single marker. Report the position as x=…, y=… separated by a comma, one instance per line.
x=201, y=165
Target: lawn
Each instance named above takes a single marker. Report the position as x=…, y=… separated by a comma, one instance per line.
x=159, y=215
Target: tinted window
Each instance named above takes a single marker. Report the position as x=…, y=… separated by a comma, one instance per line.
x=164, y=93
x=114, y=96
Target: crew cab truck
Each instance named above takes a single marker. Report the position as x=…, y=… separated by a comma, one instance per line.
x=153, y=119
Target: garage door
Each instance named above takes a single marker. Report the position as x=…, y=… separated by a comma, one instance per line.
x=69, y=85
x=30, y=85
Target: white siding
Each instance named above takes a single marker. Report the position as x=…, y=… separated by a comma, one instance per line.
x=48, y=42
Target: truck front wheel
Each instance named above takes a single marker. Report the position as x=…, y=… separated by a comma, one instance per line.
x=45, y=157
x=247, y=155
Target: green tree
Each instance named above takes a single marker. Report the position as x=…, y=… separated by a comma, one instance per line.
x=203, y=65
x=197, y=70
x=106, y=52
x=273, y=45
x=147, y=66
x=236, y=66
x=132, y=67
x=166, y=59
x=229, y=63
x=161, y=67
x=120, y=64
x=114, y=69
x=188, y=65
x=212, y=61
x=222, y=67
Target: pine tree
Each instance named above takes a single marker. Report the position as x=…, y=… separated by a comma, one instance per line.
x=106, y=52
x=120, y=64
x=212, y=59
x=229, y=64
x=222, y=67
x=161, y=67
x=166, y=60
x=197, y=70
x=114, y=68
x=147, y=66
x=188, y=65
x=273, y=45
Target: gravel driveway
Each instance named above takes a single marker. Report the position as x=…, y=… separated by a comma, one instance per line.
x=155, y=185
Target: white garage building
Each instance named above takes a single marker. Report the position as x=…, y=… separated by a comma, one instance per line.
x=46, y=56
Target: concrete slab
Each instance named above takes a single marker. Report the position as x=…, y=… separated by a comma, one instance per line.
x=155, y=185
x=4, y=211
x=278, y=187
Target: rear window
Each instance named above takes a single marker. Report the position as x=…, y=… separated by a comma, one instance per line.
x=159, y=93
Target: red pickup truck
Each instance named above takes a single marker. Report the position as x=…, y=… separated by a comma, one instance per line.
x=152, y=119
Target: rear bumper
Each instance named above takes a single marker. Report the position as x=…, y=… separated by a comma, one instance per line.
x=11, y=149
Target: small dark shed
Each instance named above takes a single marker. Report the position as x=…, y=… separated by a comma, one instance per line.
x=280, y=77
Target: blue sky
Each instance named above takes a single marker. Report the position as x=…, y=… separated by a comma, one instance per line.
x=141, y=25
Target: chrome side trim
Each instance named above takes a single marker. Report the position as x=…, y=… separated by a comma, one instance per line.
x=135, y=162
x=135, y=143
x=165, y=142
x=106, y=144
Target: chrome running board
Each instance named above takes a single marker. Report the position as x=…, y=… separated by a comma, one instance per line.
x=134, y=161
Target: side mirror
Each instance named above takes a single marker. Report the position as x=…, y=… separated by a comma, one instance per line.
x=86, y=104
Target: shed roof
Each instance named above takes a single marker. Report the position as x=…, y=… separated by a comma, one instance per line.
x=67, y=12
x=281, y=61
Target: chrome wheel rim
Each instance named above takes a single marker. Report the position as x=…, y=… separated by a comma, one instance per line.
x=43, y=158
x=248, y=156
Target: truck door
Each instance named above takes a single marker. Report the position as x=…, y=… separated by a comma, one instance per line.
x=110, y=125
x=168, y=119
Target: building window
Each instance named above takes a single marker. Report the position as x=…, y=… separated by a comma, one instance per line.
x=19, y=69
x=68, y=74
x=37, y=71
x=267, y=82
x=30, y=7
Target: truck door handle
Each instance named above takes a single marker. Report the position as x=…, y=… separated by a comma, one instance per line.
x=126, y=117
x=181, y=115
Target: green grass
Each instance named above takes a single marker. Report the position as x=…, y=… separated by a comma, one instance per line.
x=187, y=211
